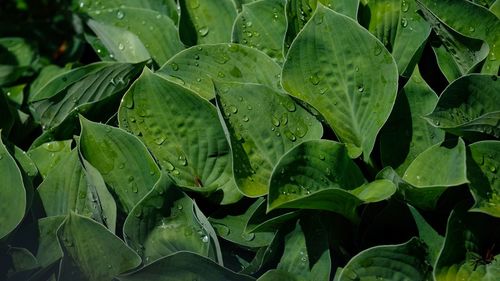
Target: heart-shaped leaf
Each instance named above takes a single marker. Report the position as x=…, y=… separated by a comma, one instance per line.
x=165, y=222
x=262, y=125
x=91, y=252
x=198, y=156
x=469, y=107
x=483, y=163
x=195, y=67
x=114, y=153
x=335, y=75
x=13, y=204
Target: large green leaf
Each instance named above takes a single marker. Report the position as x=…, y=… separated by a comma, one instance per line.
x=262, y=25
x=469, y=107
x=434, y=170
x=262, y=125
x=49, y=250
x=182, y=130
x=184, y=266
x=157, y=32
x=469, y=251
x=472, y=21
x=399, y=27
x=335, y=74
x=483, y=163
x=47, y=155
x=91, y=252
x=406, y=134
x=307, y=254
x=165, y=222
x=16, y=56
x=298, y=13
x=263, y=221
x=232, y=227
x=67, y=188
x=206, y=21
x=196, y=66
x=390, y=262
x=12, y=192
x=319, y=174
x=80, y=90
x=428, y=235
x=124, y=162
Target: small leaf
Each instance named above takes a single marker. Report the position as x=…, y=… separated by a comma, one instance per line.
x=195, y=67
x=91, y=252
x=115, y=153
x=429, y=236
x=47, y=155
x=262, y=125
x=49, y=250
x=334, y=74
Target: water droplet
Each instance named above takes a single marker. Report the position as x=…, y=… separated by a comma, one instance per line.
x=174, y=66
x=404, y=22
x=160, y=140
x=275, y=121
x=204, y=238
x=405, y=6
x=472, y=29
x=377, y=50
x=290, y=135
x=134, y=187
x=248, y=236
x=169, y=166
x=194, y=4
x=437, y=122
x=322, y=157
x=314, y=79
x=221, y=74
x=245, y=118
x=361, y=88
x=493, y=169
x=203, y=31
x=121, y=166
x=120, y=15
x=249, y=107
x=176, y=172
x=130, y=178
x=182, y=160
x=249, y=23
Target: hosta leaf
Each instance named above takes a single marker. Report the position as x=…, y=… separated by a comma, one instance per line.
x=124, y=162
x=206, y=21
x=307, y=254
x=231, y=227
x=469, y=249
x=16, y=56
x=298, y=13
x=47, y=155
x=319, y=174
x=181, y=129
x=12, y=192
x=23, y=263
x=165, y=222
x=428, y=235
x=80, y=90
x=184, y=266
x=472, y=21
x=91, y=252
x=122, y=45
x=262, y=221
x=262, y=125
x=49, y=250
x=406, y=134
x=196, y=66
x=434, y=170
x=335, y=75
x=8, y=117
x=157, y=32
x=495, y=8
x=469, y=107
x=67, y=188
x=483, y=163
x=277, y=275
x=390, y=262
x=262, y=25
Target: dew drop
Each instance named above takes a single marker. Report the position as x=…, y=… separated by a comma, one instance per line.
x=404, y=22
x=248, y=236
x=160, y=140
x=120, y=15
x=472, y=29
x=203, y=31
x=405, y=6
x=314, y=79
x=169, y=166
x=377, y=50
x=275, y=121
x=182, y=160
x=174, y=66
x=204, y=239
x=361, y=88
x=221, y=74
x=245, y=118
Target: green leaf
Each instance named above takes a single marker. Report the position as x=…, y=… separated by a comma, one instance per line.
x=428, y=235
x=262, y=25
x=434, y=170
x=157, y=32
x=335, y=75
x=472, y=21
x=406, y=134
x=319, y=174
x=298, y=13
x=307, y=254
x=47, y=155
x=206, y=21
x=48, y=251
x=16, y=56
x=469, y=107
x=262, y=125
x=262, y=221
x=122, y=45
x=184, y=266
x=91, y=252
x=8, y=114
x=232, y=227
x=182, y=130
x=483, y=163
x=124, y=162
x=469, y=249
x=195, y=67
x=165, y=222
x=277, y=275
x=12, y=192
x=81, y=90
x=23, y=263
x=390, y=262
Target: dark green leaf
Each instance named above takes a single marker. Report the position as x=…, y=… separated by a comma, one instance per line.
x=47, y=155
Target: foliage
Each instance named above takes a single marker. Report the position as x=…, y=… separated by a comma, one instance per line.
x=249, y=140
